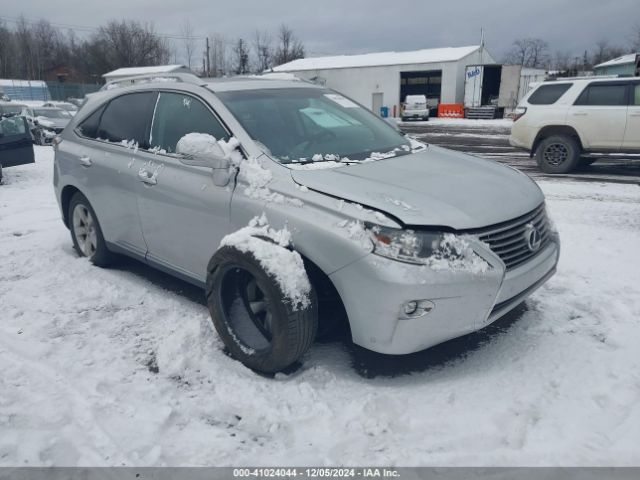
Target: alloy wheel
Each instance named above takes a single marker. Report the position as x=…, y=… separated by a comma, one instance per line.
x=247, y=309
x=556, y=154
x=84, y=229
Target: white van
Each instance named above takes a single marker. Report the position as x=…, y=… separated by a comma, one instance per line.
x=415, y=106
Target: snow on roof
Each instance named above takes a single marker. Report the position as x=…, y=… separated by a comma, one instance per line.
x=8, y=82
x=431, y=55
x=132, y=71
x=630, y=58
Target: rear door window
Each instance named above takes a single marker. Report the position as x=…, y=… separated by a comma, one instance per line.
x=548, y=94
x=604, y=95
x=127, y=118
x=176, y=115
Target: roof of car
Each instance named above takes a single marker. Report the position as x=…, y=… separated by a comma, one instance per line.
x=588, y=79
x=48, y=109
x=253, y=83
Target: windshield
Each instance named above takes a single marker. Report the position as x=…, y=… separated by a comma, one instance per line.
x=312, y=124
x=51, y=113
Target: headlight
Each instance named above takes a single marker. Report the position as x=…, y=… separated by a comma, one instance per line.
x=439, y=251
x=405, y=245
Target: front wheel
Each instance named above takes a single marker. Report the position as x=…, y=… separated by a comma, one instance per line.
x=86, y=232
x=558, y=154
x=249, y=311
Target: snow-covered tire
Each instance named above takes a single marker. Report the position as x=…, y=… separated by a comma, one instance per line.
x=86, y=233
x=558, y=154
x=268, y=339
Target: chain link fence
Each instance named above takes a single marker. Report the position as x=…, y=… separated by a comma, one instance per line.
x=37, y=90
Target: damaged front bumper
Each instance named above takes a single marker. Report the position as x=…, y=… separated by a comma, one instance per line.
x=376, y=290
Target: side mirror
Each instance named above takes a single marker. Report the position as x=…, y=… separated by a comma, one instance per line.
x=202, y=150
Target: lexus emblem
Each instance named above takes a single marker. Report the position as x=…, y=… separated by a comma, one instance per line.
x=532, y=237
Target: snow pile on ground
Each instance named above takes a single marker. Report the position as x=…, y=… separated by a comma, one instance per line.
x=122, y=366
x=284, y=265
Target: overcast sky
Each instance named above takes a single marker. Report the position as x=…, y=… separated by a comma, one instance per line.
x=355, y=26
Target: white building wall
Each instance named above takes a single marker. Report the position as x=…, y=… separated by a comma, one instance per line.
x=360, y=83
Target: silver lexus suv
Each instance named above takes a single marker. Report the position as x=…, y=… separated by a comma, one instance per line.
x=293, y=206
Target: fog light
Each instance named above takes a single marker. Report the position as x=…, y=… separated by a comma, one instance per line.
x=415, y=309
x=410, y=307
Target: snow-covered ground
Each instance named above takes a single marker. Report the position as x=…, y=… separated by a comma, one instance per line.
x=463, y=122
x=112, y=367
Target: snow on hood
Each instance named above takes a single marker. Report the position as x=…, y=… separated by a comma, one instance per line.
x=436, y=187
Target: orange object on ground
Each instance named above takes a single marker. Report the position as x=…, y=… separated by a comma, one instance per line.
x=451, y=110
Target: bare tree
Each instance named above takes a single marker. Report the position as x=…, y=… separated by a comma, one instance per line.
x=241, y=54
x=189, y=43
x=219, y=56
x=288, y=48
x=7, y=49
x=562, y=61
x=635, y=39
x=126, y=44
x=530, y=52
x=601, y=52
x=263, y=50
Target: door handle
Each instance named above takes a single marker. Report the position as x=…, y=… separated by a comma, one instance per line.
x=85, y=161
x=634, y=114
x=144, y=177
x=580, y=114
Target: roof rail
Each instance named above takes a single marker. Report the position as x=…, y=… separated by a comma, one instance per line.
x=153, y=78
x=586, y=77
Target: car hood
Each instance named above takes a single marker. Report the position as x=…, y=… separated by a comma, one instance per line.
x=436, y=187
x=53, y=122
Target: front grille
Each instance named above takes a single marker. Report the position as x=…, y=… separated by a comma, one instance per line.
x=508, y=239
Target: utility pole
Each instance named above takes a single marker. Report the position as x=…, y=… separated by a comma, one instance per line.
x=208, y=59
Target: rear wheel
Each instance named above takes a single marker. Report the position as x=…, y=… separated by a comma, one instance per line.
x=249, y=311
x=86, y=232
x=558, y=154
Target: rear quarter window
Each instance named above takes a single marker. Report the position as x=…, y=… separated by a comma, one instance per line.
x=604, y=95
x=548, y=94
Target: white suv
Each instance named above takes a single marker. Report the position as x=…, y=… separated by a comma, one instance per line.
x=559, y=120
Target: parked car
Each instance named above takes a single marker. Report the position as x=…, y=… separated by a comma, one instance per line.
x=414, y=243
x=16, y=145
x=559, y=121
x=66, y=106
x=46, y=122
x=78, y=102
x=10, y=108
x=415, y=107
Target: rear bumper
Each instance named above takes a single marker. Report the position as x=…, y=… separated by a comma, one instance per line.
x=374, y=289
x=415, y=113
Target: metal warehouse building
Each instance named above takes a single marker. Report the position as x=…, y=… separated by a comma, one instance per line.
x=384, y=79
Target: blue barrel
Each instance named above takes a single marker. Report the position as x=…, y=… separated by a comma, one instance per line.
x=384, y=112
